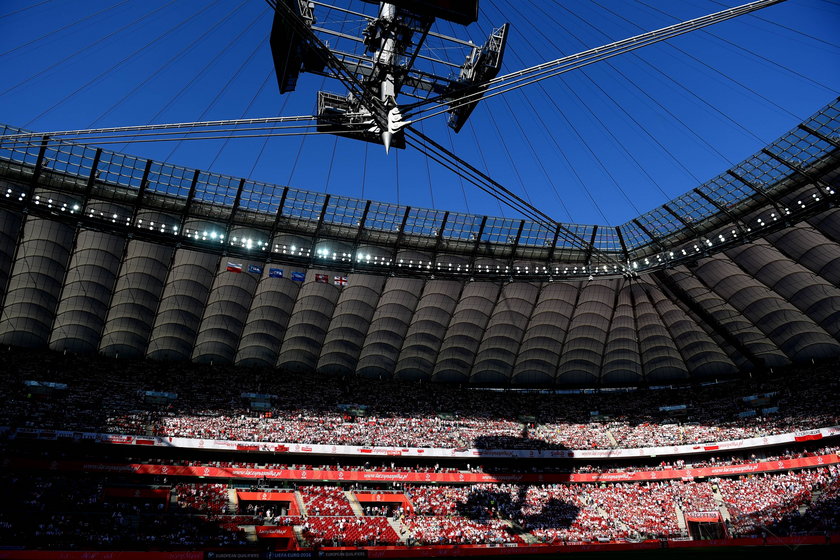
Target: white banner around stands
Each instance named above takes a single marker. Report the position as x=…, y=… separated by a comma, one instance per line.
x=271, y=447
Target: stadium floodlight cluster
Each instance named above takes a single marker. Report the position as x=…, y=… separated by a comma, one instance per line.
x=382, y=63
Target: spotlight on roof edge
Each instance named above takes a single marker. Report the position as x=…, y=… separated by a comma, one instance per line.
x=383, y=63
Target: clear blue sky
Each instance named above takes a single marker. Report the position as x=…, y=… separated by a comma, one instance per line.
x=598, y=145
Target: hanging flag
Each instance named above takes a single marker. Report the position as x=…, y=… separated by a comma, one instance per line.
x=234, y=267
x=275, y=273
x=255, y=269
x=322, y=278
x=340, y=280
x=298, y=276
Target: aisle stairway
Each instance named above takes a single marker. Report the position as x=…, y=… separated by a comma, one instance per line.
x=233, y=501
x=521, y=533
x=621, y=525
x=354, y=503
x=250, y=533
x=724, y=512
x=680, y=518
x=301, y=505
x=298, y=531
x=400, y=529
x=815, y=495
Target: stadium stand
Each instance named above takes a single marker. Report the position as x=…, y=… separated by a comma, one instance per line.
x=194, y=365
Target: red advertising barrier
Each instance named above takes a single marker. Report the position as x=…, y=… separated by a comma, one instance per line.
x=414, y=552
x=144, y=493
x=703, y=516
x=265, y=496
x=274, y=532
x=423, y=477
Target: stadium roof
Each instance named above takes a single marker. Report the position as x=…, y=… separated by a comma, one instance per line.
x=105, y=251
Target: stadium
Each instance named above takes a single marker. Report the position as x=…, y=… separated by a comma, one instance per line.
x=233, y=325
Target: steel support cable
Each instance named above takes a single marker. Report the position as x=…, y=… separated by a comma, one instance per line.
x=535, y=155
x=594, y=154
x=620, y=107
x=689, y=129
x=487, y=184
x=397, y=177
x=52, y=34
x=791, y=29
x=641, y=127
x=87, y=47
x=428, y=174
x=25, y=9
x=428, y=146
x=477, y=144
x=330, y=167
x=494, y=188
x=558, y=147
x=474, y=180
x=245, y=112
x=647, y=37
x=265, y=140
x=562, y=152
x=364, y=170
x=460, y=179
x=207, y=67
x=753, y=53
x=167, y=126
x=90, y=139
x=710, y=67
x=122, y=61
x=212, y=137
x=160, y=68
x=303, y=31
x=302, y=142
x=193, y=137
x=180, y=92
x=475, y=140
x=521, y=78
x=513, y=165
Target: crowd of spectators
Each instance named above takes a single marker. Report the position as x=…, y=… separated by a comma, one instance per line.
x=78, y=512
x=325, y=501
x=89, y=511
x=203, y=498
x=108, y=395
x=446, y=530
x=55, y=511
x=756, y=503
x=556, y=513
x=348, y=531
x=821, y=515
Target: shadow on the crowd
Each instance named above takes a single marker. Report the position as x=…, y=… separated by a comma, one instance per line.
x=488, y=444
x=513, y=504
x=483, y=505
x=820, y=517
x=520, y=446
